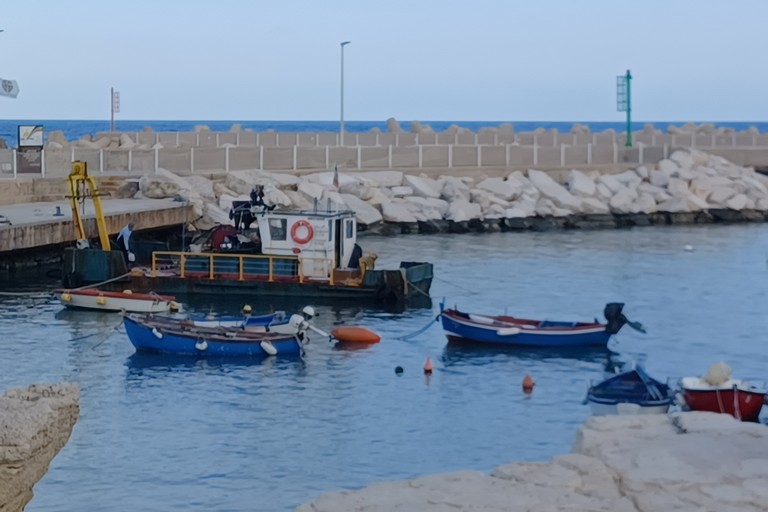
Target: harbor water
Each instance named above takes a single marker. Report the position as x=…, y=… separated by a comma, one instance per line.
x=170, y=433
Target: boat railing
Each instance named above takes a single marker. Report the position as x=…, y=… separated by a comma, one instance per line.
x=230, y=266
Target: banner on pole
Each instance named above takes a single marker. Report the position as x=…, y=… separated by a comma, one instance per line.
x=9, y=88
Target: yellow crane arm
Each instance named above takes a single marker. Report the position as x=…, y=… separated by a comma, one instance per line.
x=78, y=181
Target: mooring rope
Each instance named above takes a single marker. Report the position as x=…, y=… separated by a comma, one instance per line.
x=103, y=282
x=420, y=331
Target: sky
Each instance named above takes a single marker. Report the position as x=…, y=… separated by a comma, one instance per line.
x=428, y=60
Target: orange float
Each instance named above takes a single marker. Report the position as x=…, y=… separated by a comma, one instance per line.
x=302, y=238
x=354, y=334
x=528, y=384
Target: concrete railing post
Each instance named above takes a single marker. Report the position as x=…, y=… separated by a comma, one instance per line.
x=479, y=156
x=42, y=162
x=615, y=153
x=13, y=164
x=295, y=153
x=130, y=160
x=506, y=155
x=640, y=147
x=450, y=156
x=589, y=154
x=665, y=153
x=327, y=157
x=389, y=156
x=157, y=158
x=359, y=157
x=535, y=152
x=101, y=161
x=419, y=156
x=72, y=154
x=192, y=160
x=261, y=158
x=226, y=159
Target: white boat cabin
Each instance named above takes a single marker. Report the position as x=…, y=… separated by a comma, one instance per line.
x=322, y=240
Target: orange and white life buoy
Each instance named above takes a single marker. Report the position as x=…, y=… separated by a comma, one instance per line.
x=302, y=232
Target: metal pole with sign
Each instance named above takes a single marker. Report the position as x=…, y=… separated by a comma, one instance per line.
x=341, y=121
x=115, y=95
x=624, y=102
x=9, y=88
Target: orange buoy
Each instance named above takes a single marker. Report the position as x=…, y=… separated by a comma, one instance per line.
x=428, y=366
x=528, y=383
x=354, y=334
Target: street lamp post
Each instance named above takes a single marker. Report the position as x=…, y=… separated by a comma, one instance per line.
x=341, y=123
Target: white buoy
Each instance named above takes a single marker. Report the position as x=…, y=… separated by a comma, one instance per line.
x=688, y=248
x=157, y=333
x=269, y=348
x=201, y=345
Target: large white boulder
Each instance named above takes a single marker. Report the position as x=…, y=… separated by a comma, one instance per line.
x=581, y=185
x=552, y=190
x=387, y=179
x=397, y=212
x=424, y=206
x=594, y=205
x=504, y=189
x=462, y=211
x=453, y=188
x=242, y=182
x=423, y=186
x=521, y=208
x=311, y=190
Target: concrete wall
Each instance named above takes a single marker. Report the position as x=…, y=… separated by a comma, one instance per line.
x=208, y=152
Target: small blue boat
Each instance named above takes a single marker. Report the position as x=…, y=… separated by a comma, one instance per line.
x=164, y=335
x=630, y=392
x=473, y=328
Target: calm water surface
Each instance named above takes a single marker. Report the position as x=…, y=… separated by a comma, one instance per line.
x=162, y=433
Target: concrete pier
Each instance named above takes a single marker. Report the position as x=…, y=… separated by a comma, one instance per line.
x=45, y=227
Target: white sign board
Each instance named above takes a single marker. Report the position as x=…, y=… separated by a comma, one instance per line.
x=116, y=102
x=31, y=135
x=9, y=88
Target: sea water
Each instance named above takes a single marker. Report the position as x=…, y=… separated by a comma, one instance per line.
x=170, y=433
x=74, y=129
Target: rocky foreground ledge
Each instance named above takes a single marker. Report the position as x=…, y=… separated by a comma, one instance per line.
x=35, y=423
x=693, y=461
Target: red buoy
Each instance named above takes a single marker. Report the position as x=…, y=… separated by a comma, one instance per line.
x=428, y=366
x=354, y=334
x=528, y=383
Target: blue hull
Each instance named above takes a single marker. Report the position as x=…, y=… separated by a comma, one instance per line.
x=162, y=338
x=550, y=334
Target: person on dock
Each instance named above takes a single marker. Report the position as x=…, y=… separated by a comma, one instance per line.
x=124, y=242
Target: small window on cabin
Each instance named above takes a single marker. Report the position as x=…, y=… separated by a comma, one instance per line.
x=277, y=230
x=330, y=230
x=350, y=229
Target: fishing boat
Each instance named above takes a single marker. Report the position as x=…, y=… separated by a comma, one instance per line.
x=126, y=300
x=266, y=251
x=471, y=328
x=718, y=392
x=183, y=337
x=630, y=392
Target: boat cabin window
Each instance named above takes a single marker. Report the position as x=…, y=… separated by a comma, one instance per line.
x=277, y=229
x=350, y=229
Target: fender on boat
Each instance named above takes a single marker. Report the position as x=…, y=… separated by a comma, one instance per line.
x=354, y=334
x=268, y=347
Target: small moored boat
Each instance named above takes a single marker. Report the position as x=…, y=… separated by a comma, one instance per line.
x=508, y=330
x=183, y=337
x=718, y=392
x=630, y=392
x=126, y=300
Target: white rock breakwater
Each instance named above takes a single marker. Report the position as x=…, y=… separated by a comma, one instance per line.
x=692, y=461
x=35, y=423
x=690, y=186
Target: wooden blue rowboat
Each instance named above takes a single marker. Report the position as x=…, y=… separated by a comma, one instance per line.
x=147, y=333
x=630, y=392
x=464, y=327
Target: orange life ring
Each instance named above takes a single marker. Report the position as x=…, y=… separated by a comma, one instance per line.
x=302, y=239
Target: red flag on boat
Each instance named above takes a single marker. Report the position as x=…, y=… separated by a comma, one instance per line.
x=336, y=176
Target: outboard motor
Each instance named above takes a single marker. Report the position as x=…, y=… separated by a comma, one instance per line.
x=616, y=318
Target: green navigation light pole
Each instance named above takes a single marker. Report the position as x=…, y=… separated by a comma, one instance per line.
x=624, y=102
